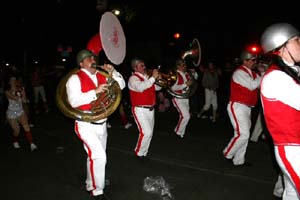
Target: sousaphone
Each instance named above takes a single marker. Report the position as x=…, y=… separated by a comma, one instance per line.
x=111, y=40
x=192, y=58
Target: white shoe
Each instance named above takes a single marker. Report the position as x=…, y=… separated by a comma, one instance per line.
x=31, y=125
x=108, y=125
x=16, y=145
x=128, y=125
x=33, y=147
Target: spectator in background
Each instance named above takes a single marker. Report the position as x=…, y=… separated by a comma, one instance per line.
x=38, y=82
x=163, y=102
x=194, y=98
x=26, y=101
x=210, y=83
x=15, y=113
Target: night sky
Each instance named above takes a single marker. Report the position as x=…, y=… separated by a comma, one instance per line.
x=37, y=27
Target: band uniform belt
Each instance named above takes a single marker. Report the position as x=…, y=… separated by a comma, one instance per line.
x=147, y=107
x=98, y=123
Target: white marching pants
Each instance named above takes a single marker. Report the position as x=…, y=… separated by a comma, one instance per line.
x=144, y=119
x=258, y=128
x=94, y=139
x=288, y=159
x=183, y=108
x=240, y=117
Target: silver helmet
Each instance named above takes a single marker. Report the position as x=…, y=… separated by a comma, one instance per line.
x=246, y=55
x=277, y=35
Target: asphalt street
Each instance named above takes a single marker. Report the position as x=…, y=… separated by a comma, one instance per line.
x=193, y=168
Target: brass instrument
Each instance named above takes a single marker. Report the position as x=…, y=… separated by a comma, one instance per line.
x=165, y=80
x=112, y=41
x=193, y=56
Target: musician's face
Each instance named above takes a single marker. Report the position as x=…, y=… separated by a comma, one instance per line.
x=293, y=46
x=87, y=64
x=250, y=63
x=140, y=67
x=182, y=67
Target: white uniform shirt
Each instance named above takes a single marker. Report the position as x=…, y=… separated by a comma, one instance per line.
x=243, y=78
x=77, y=98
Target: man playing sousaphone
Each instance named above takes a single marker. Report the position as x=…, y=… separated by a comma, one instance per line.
x=82, y=89
x=184, y=81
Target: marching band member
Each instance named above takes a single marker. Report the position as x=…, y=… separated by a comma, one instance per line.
x=259, y=123
x=243, y=97
x=142, y=90
x=182, y=104
x=280, y=94
x=82, y=88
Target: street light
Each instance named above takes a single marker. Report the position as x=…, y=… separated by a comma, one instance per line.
x=116, y=12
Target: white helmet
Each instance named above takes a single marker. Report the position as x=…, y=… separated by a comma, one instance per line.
x=277, y=35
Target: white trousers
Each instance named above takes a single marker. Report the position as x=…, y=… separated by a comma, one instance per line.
x=94, y=138
x=144, y=119
x=258, y=128
x=210, y=99
x=288, y=159
x=240, y=117
x=183, y=108
x=278, y=188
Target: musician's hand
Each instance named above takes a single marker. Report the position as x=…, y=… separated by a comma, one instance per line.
x=189, y=82
x=109, y=68
x=155, y=73
x=101, y=88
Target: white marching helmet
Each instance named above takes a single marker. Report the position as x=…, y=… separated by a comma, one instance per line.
x=277, y=35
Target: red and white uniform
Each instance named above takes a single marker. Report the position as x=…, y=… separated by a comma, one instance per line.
x=142, y=92
x=181, y=104
x=80, y=91
x=280, y=95
x=243, y=96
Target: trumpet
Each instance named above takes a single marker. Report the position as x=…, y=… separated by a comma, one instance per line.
x=164, y=80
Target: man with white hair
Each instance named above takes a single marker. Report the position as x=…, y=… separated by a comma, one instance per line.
x=142, y=90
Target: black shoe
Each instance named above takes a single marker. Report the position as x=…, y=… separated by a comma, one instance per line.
x=246, y=164
x=227, y=160
x=100, y=197
x=142, y=159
